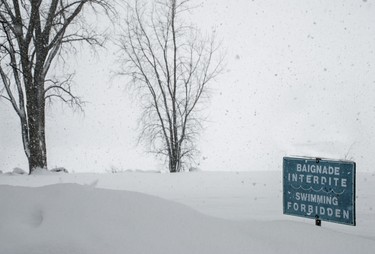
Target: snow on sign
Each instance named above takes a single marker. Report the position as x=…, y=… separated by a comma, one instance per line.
x=320, y=189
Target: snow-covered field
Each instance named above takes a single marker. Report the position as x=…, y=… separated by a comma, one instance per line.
x=197, y=212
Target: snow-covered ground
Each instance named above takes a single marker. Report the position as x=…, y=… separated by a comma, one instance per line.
x=197, y=212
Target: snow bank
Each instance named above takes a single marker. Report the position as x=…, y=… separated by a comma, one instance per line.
x=69, y=218
x=19, y=171
x=72, y=218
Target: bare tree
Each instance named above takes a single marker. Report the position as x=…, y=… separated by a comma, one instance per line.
x=33, y=33
x=170, y=64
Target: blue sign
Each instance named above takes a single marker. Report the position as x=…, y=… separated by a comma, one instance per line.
x=318, y=188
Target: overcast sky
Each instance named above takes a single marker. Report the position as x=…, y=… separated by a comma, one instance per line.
x=299, y=80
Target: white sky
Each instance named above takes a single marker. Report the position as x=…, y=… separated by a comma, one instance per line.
x=299, y=80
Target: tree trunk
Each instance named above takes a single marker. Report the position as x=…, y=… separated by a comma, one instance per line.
x=36, y=121
x=174, y=162
x=173, y=165
x=37, y=141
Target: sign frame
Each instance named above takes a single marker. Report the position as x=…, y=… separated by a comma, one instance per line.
x=327, y=194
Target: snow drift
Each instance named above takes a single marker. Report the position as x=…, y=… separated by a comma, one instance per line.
x=72, y=218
